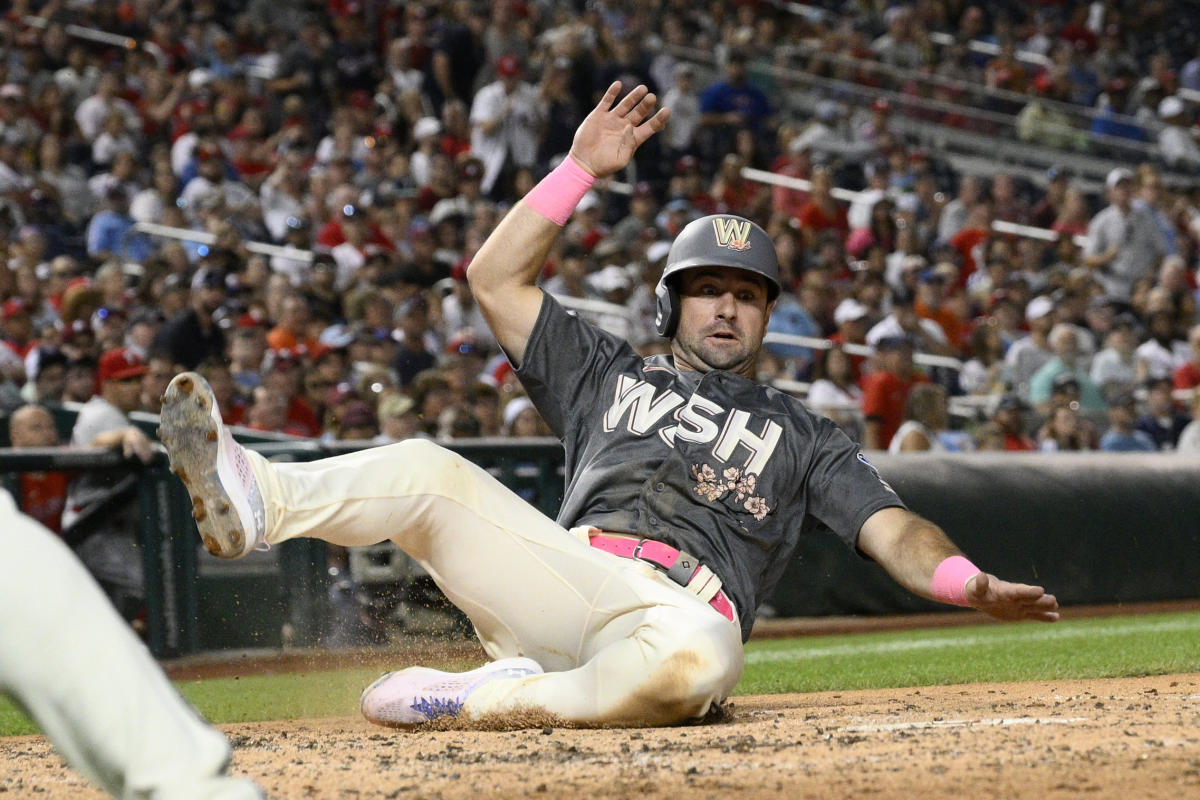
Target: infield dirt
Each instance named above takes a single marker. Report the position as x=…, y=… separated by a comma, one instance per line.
x=1110, y=738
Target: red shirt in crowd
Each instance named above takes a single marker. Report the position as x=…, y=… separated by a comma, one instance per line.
x=815, y=219
x=44, y=496
x=1018, y=443
x=884, y=397
x=965, y=242
x=1187, y=376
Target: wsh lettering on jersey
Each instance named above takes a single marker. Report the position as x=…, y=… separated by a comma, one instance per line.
x=739, y=438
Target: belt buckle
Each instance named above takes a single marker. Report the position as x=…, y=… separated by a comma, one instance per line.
x=637, y=549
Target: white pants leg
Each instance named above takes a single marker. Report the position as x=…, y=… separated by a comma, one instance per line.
x=620, y=642
x=79, y=671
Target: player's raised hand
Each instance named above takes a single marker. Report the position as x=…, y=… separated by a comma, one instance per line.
x=609, y=136
x=1010, y=601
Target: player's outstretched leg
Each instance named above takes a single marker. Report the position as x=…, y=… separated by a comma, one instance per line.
x=226, y=501
x=418, y=695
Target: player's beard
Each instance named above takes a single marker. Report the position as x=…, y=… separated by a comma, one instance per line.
x=696, y=350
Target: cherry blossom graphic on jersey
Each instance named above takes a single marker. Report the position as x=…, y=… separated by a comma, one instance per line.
x=733, y=486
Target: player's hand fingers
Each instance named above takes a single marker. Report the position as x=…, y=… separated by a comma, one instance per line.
x=630, y=101
x=609, y=97
x=652, y=125
x=643, y=109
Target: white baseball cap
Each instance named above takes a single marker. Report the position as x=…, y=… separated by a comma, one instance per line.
x=426, y=126
x=657, y=251
x=849, y=310
x=1169, y=107
x=1117, y=175
x=1039, y=307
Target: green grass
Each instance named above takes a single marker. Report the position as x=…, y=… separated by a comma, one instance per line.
x=1091, y=648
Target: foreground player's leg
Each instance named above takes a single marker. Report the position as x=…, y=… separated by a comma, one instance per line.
x=620, y=642
x=82, y=675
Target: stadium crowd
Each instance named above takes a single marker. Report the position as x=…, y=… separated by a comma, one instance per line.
x=386, y=139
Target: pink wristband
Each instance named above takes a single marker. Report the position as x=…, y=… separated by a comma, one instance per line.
x=557, y=194
x=949, y=583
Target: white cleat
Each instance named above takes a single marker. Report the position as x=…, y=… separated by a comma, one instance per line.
x=226, y=502
x=418, y=695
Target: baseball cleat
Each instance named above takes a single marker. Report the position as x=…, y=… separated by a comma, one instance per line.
x=418, y=694
x=226, y=502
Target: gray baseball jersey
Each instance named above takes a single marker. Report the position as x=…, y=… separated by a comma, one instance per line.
x=732, y=471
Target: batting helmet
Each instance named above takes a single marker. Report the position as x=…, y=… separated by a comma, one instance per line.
x=720, y=240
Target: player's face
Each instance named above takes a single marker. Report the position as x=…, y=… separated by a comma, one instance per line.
x=723, y=315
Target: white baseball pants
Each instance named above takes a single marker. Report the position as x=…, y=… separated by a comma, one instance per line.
x=70, y=661
x=620, y=642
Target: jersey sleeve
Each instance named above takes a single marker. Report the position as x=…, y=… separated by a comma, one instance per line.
x=844, y=487
x=565, y=363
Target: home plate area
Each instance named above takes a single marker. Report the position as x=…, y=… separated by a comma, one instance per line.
x=1119, y=738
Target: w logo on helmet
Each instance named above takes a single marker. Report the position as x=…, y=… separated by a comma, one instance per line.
x=732, y=233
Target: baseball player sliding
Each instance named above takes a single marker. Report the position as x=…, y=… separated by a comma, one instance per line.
x=688, y=484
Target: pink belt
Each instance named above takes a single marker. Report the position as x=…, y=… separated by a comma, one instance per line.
x=679, y=566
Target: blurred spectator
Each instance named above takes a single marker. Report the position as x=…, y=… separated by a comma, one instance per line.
x=1046, y=211
x=1187, y=375
x=924, y=334
x=192, y=335
x=835, y=392
x=1007, y=417
x=1065, y=431
x=159, y=371
x=1151, y=198
x=398, y=420
x=79, y=385
x=822, y=212
x=1122, y=436
x=433, y=395
x=926, y=424
x=1073, y=217
x=291, y=331
x=1176, y=141
x=931, y=303
x=220, y=378
x=110, y=232
x=100, y=518
x=1189, y=439
x=42, y=495
x=49, y=379
x=68, y=180
x=522, y=419
x=1042, y=122
x=734, y=194
x=416, y=346
x=1124, y=243
x=17, y=324
x=1114, y=369
x=984, y=372
x=730, y=104
x=1163, y=421
x=1068, y=363
x=1163, y=352
x=95, y=110
x=684, y=103
x=885, y=392
x=355, y=421
x=955, y=213
x=643, y=206
x=505, y=116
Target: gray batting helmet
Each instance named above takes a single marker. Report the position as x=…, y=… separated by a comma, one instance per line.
x=720, y=240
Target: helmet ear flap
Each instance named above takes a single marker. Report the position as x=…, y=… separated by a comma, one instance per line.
x=666, y=313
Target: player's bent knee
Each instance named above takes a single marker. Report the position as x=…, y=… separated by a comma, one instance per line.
x=691, y=676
